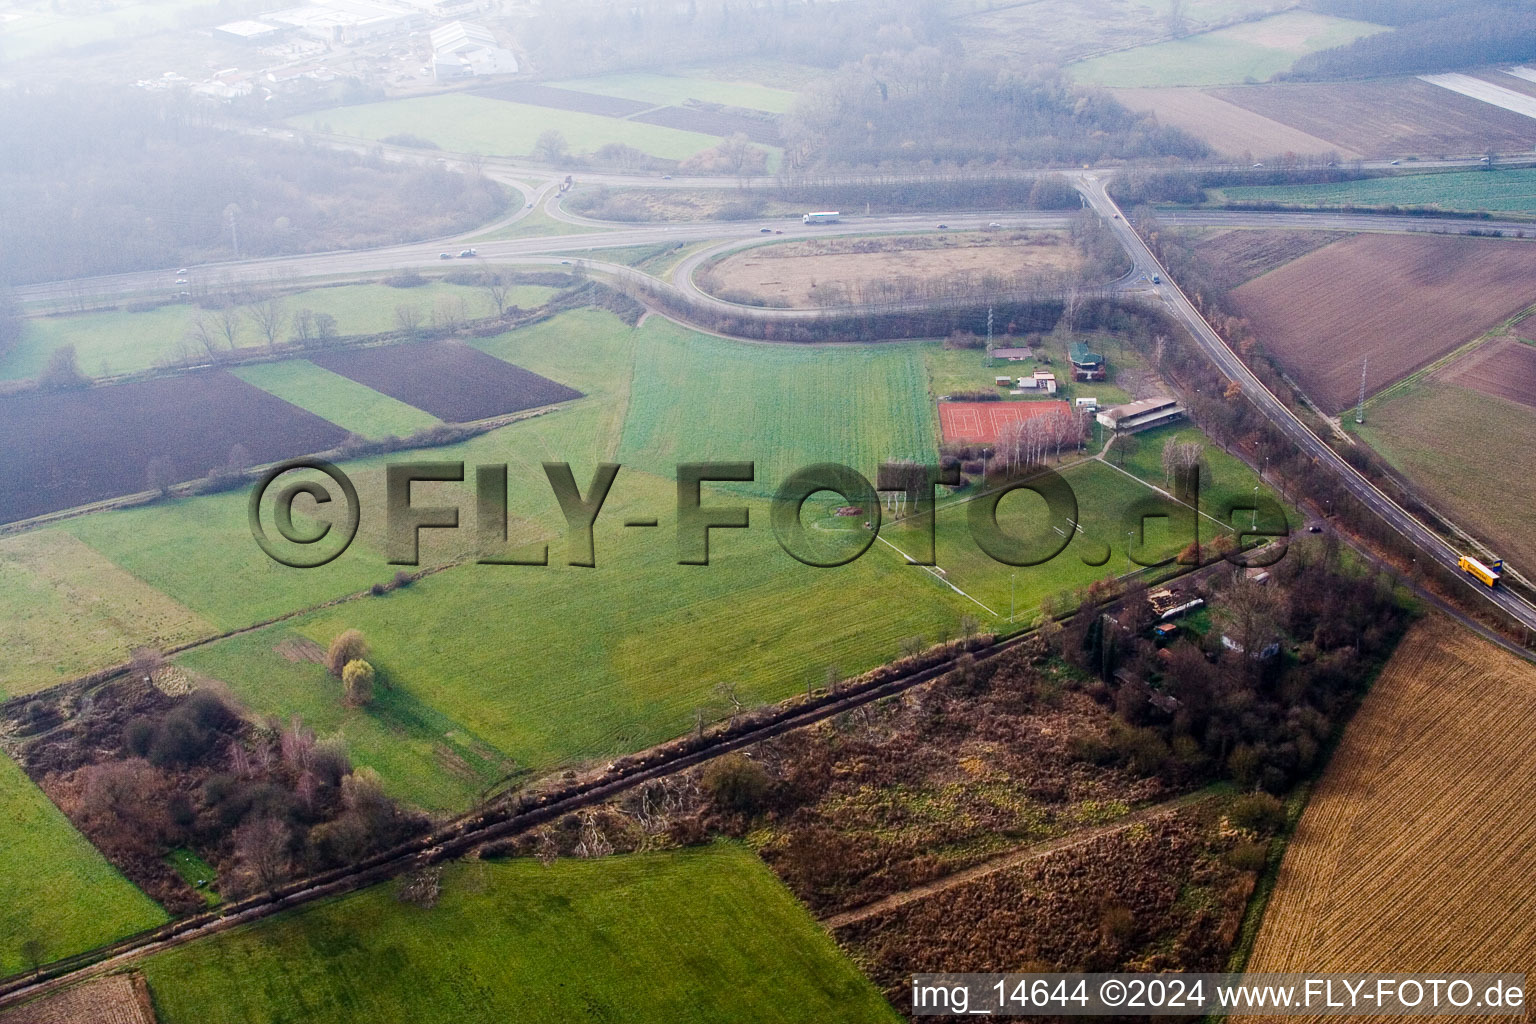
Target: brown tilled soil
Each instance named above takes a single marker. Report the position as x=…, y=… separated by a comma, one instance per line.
x=71, y=448
x=1388, y=117
x=1503, y=367
x=453, y=382
x=1238, y=255
x=115, y=999
x=1227, y=127
x=1401, y=300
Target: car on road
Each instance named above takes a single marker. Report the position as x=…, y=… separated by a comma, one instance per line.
x=1397, y=163
x=666, y=177
x=765, y=231
x=465, y=254
x=1157, y=279
x=181, y=280
x=565, y=263
x=995, y=224
x=528, y=207
x=445, y=255
x=943, y=227
x=1314, y=528
x=778, y=231
x=183, y=272
x=1256, y=166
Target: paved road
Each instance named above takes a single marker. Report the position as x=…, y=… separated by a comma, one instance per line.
x=1227, y=361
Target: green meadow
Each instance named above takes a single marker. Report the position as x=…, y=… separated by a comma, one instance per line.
x=700, y=935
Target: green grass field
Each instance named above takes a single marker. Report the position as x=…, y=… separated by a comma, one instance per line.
x=462, y=123
x=1471, y=453
x=698, y=398
x=700, y=935
x=121, y=342
x=1251, y=51
x=675, y=89
x=346, y=403
x=58, y=889
x=555, y=665
x=1498, y=191
x=66, y=610
x=1104, y=497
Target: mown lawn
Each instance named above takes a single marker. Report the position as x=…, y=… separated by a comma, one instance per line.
x=122, y=342
x=702, y=935
x=346, y=403
x=58, y=889
x=464, y=123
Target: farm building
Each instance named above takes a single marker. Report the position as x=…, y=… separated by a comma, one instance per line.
x=1045, y=381
x=1004, y=382
x=985, y=422
x=1142, y=415
x=1086, y=363
x=1013, y=354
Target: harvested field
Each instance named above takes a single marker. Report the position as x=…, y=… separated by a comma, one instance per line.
x=1401, y=300
x=70, y=448
x=1503, y=367
x=114, y=999
x=563, y=99
x=1388, y=117
x=1239, y=255
x=455, y=383
x=1227, y=127
x=985, y=422
x=856, y=270
x=721, y=121
x=1416, y=852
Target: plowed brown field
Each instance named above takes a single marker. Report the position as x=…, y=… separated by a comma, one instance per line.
x=115, y=999
x=1503, y=367
x=1402, y=300
x=1417, y=852
x=1227, y=127
x=1388, y=116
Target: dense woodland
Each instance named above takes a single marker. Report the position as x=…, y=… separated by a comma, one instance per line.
x=114, y=182
x=1432, y=35
x=923, y=106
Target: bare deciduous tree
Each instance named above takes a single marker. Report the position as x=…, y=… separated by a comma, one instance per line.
x=269, y=312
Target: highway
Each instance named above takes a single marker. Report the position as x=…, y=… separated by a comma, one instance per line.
x=1093, y=187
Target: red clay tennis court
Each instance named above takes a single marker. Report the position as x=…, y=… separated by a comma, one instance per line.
x=984, y=422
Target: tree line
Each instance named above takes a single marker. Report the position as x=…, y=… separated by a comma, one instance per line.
x=1432, y=35
x=925, y=106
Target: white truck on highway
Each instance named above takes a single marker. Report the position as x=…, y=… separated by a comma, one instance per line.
x=823, y=217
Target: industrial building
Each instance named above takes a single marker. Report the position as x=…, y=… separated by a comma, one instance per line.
x=461, y=49
x=348, y=21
